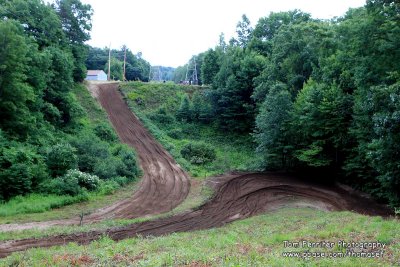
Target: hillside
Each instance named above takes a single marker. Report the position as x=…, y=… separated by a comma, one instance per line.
x=379, y=230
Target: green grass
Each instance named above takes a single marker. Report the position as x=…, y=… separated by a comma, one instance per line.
x=257, y=241
x=199, y=193
x=94, y=202
x=234, y=151
x=36, y=203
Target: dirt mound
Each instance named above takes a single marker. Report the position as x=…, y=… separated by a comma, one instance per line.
x=165, y=185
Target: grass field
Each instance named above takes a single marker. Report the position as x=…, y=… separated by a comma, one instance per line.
x=257, y=241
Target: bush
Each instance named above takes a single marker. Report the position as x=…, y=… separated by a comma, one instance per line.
x=198, y=153
x=60, y=158
x=90, y=150
x=121, y=180
x=106, y=169
x=22, y=169
x=105, y=132
x=86, y=180
x=175, y=133
x=161, y=116
x=129, y=168
x=60, y=186
x=108, y=187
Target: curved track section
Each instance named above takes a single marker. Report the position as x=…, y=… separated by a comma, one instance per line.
x=237, y=197
x=164, y=184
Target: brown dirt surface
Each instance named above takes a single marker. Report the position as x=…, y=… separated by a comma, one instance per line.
x=237, y=195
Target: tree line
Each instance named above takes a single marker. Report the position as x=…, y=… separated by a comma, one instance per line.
x=136, y=69
x=48, y=143
x=319, y=96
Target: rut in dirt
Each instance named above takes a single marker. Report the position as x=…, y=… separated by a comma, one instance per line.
x=237, y=196
x=164, y=185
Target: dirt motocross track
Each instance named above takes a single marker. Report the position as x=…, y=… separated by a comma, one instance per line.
x=165, y=185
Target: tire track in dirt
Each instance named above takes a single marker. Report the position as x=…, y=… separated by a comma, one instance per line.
x=237, y=195
x=164, y=185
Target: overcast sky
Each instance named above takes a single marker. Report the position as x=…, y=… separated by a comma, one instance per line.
x=169, y=32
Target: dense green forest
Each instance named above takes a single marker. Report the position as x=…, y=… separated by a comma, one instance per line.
x=317, y=96
x=50, y=141
x=136, y=69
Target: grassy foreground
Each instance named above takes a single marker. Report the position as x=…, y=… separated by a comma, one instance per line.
x=257, y=241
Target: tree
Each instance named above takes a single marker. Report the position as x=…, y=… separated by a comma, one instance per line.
x=15, y=93
x=323, y=113
x=39, y=20
x=116, y=69
x=210, y=67
x=76, y=22
x=244, y=31
x=272, y=127
x=184, y=113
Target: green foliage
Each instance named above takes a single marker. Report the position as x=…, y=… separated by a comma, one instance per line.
x=316, y=91
x=61, y=158
x=48, y=124
x=105, y=132
x=184, y=113
x=210, y=67
x=116, y=69
x=136, y=67
x=85, y=180
x=233, y=152
x=161, y=116
x=272, y=126
x=198, y=153
x=22, y=170
x=15, y=115
x=65, y=185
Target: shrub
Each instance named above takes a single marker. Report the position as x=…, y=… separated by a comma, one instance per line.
x=106, y=169
x=198, y=153
x=129, y=168
x=105, y=132
x=60, y=186
x=90, y=149
x=175, y=133
x=60, y=158
x=22, y=169
x=86, y=180
x=121, y=180
x=161, y=116
x=108, y=187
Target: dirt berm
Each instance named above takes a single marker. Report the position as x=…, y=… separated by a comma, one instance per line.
x=165, y=185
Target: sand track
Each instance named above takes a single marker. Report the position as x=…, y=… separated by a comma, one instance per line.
x=165, y=185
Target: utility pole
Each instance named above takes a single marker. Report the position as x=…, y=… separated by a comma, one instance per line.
x=150, y=73
x=124, y=62
x=195, y=79
x=109, y=63
x=159, y=74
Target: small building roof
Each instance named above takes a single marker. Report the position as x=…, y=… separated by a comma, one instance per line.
x=94, y=72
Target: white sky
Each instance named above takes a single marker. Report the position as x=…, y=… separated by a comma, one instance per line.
x=169, y=32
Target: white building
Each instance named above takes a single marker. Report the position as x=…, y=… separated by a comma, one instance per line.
x=96, y=75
